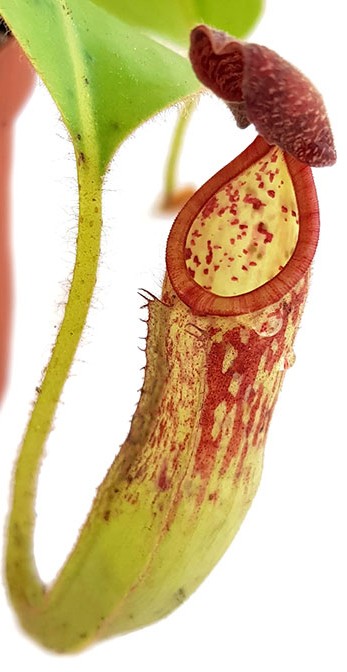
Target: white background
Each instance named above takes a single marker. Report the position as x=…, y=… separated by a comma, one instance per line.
x=277, y=600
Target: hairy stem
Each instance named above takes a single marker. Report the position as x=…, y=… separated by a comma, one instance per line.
x=25, y=586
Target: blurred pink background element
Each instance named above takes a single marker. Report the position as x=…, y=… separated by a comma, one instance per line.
x=16, y=83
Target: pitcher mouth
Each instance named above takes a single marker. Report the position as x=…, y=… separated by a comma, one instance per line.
x=247, y=236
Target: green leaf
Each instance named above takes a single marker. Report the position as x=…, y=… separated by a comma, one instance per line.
x=173, y=19
x=105, y=76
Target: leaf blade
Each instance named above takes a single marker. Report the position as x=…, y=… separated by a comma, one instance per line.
x=175, y=18
x=107, y=66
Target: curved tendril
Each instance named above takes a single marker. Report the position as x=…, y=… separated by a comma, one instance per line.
x=24, y=583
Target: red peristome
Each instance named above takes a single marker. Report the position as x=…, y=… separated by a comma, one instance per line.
x=262, y=88
x=179, y=256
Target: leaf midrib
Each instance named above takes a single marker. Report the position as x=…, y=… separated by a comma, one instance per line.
x=80, y=70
